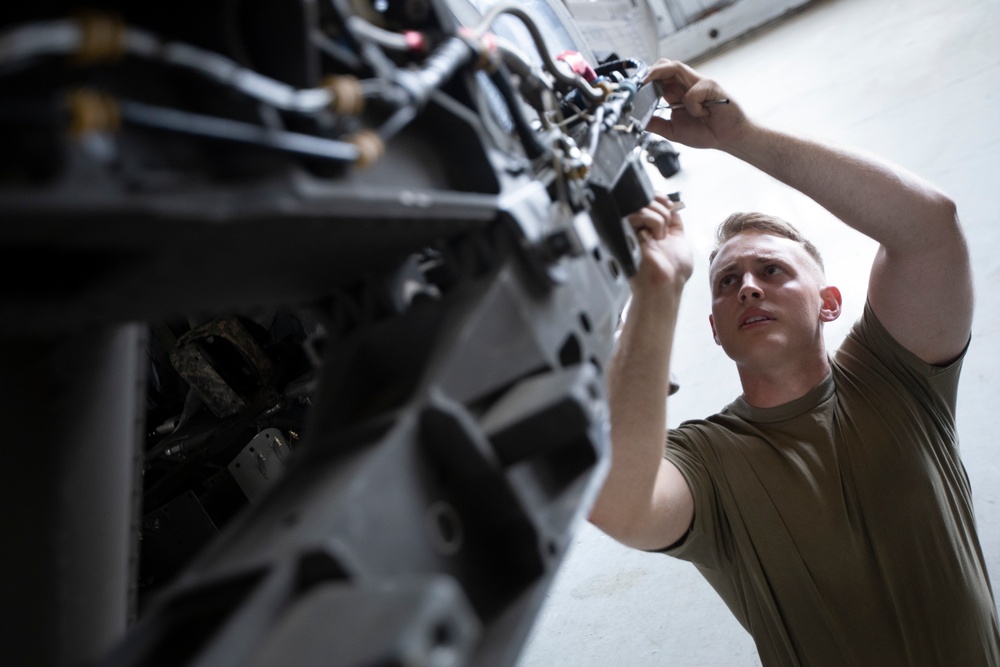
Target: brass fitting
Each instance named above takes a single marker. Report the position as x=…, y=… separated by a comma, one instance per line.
x=91, y=111
x=370, y=147
x=347, y=96
x=102, y=38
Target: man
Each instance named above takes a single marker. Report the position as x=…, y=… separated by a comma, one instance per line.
x=827, y=505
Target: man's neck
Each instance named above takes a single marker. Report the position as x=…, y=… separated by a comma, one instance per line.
x=779, y=384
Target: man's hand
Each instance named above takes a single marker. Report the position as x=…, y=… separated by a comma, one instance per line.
x=695, y=124
x=666, y=252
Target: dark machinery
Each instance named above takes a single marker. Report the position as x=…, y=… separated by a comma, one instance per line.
x=305, y=313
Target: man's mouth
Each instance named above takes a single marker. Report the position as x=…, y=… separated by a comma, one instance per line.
x=753, y=319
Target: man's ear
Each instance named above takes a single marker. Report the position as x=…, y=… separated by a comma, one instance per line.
x=715, y=334
x=830, y=309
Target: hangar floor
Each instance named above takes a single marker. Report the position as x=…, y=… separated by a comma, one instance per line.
x=913, y=80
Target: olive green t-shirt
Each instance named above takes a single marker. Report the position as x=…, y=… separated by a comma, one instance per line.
x=839, y=528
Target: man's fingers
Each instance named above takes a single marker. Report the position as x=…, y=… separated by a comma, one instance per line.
x=656, y=219
x=678, y=83
x=672, y=70
x=699, y=99
x=651, y=220
x=661, y=208
x=661, y=126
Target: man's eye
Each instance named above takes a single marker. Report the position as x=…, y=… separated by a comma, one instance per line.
x=727, y=281
x=772, y=270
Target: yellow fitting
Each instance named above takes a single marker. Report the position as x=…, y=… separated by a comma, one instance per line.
x=102, y=38
x=607, y=87
x=487, y=63
x=370, y=147
x=347, y=95
x=578, y=171
x=91, y=111
x=485, y=47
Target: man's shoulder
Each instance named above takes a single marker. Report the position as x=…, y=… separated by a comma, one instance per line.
x=869, y=349
x=695, y=433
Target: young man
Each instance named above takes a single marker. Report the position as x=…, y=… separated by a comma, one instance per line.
x=827, y=505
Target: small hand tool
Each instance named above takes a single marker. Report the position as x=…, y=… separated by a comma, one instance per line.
x=707, y=103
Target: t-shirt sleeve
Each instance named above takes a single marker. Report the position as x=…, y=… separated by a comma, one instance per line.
x=869, y=343
x=703, y=542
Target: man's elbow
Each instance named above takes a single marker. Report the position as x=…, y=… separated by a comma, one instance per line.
x=951, y=234
x=606, y=520
x=944, y=212
x=933, y=227
x=616, y=525
x=633, y=530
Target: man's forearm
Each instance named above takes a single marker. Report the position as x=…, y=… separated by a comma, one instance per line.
x=882, y=201
x=864, y=191
x=639, y=381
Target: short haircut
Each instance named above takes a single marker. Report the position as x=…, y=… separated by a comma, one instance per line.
x=737, y=223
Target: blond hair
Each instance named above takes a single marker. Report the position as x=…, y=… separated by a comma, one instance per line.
x=738, y=223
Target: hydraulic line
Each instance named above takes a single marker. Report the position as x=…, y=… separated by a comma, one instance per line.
x=397, y=121
x=437, y=69
x=395, y=41
x=442, y=64
x=532, y=146
x=417, y=85
x=519, y=11
x=334, y=50
x=184, y=122
x=596, y=127
x=516, y=60
x=96, y=38
x=621, y=66
x=101, y=38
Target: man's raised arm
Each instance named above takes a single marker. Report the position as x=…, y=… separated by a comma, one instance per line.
x=921, y=282
x=645, y=501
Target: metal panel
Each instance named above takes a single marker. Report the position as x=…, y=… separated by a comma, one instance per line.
x=410, y=273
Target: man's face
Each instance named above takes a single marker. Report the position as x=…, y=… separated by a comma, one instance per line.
x=768, y=299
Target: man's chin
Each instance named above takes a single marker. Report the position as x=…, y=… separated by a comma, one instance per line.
x=766, y=351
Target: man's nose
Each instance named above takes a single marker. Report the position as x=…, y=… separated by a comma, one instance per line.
x=750, y=289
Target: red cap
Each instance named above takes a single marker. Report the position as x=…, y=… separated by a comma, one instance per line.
x=578, y=64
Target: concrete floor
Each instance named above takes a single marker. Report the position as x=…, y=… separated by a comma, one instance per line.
x=917, y=81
